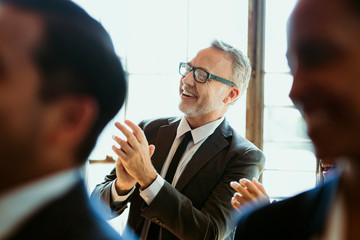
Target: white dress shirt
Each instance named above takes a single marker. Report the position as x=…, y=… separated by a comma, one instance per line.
x=335, y=227
x=19, y=204
x=199, y=135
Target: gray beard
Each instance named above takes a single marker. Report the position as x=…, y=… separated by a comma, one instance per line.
x=198, y=110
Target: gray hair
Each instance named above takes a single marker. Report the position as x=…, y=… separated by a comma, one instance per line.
x=241, y=64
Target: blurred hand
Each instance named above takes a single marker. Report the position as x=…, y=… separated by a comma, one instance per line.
x=249, y=192
x=134, y=155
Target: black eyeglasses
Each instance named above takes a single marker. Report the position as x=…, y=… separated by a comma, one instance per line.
x=200, y=75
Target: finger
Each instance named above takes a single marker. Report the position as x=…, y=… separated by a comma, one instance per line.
x=119, y=166
x=238, y=187
x=125, y=146
x=241, y=201
x=116, y=138
x=127, y=133
x=121, y=154
x=246, y=193
x=137, y=131
x=251, y=187
x=260, y=186
x=238, y=197
x=235, y=203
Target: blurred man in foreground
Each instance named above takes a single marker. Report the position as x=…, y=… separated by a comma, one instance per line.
x=60, y=83
x=324, y=57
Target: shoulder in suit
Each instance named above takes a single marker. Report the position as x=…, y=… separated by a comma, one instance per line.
x=69, y=217
x=300, y=217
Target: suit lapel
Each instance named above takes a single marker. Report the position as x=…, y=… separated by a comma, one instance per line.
x=163, y=142
x=214, y=144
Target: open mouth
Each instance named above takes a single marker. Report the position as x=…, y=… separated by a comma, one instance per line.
x=187, y=94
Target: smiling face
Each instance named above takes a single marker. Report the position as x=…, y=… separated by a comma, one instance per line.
x=324, y=57
x=206, y=102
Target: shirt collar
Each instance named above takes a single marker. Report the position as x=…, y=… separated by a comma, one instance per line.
x=200, y=133
x=16, y=206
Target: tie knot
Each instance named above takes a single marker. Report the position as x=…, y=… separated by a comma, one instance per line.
x=187, y=136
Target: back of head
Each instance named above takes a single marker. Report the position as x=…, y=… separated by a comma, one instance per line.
x=76, y=57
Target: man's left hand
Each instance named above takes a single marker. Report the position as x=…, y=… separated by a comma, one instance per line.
x=135, y=154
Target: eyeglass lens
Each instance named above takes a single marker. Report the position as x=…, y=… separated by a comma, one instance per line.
x=200, y=75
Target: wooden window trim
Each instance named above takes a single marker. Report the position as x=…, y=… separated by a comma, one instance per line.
x=255, y=91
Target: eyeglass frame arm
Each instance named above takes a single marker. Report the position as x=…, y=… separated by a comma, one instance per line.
x=219, y=79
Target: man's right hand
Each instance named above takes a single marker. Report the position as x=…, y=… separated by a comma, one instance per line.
x=124, y=181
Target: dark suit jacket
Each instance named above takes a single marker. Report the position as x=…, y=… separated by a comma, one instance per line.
x=300, y=217
x=199, y=206
x=69, y=217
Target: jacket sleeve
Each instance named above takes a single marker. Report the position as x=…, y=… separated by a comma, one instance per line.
x=102, y=194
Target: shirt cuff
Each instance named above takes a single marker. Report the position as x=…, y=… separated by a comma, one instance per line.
x=150, y=192
x=116, y=197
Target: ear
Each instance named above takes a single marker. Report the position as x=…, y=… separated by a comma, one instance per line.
x=232, y=95
x=73, y=119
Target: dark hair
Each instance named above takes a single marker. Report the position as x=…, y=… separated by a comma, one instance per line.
x=76, y=57
x=355, y=5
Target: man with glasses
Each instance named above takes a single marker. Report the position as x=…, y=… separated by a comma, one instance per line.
x=186, y=193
